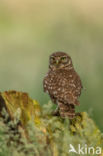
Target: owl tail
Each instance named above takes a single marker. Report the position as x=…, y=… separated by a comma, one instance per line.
x=66, y=110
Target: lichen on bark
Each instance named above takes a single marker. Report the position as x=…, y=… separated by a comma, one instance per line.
x=38, y=132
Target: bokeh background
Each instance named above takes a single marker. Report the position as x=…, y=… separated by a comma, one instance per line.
x=31, y=30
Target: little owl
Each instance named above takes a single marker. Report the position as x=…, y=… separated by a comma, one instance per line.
x=63, y=84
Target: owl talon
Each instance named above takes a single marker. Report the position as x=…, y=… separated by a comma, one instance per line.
x=56, y=113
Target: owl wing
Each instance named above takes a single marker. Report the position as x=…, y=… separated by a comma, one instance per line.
x=45, y=84
x=72, y=88
x=69, y=98
x=78, y=85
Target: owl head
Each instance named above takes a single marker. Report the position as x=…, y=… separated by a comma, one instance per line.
x=60, y=60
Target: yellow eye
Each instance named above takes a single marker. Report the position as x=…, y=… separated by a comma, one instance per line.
x=52, y=59
x=64, y=58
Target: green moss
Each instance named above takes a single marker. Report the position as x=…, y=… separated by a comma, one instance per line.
x=35, y=131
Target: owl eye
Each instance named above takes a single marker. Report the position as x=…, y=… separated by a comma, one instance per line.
x=52, y=60
x=64, y=59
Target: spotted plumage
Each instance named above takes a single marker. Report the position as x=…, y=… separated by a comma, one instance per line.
x=63, y=84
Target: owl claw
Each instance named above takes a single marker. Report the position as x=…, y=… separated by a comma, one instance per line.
x=56, y=113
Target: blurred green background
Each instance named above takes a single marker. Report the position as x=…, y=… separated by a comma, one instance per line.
x=31, y=30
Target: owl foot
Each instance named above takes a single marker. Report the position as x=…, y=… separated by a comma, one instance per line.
x=56, y=112
x=67, y=115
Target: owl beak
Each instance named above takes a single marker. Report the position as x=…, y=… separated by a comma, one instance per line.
x=57, y=62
